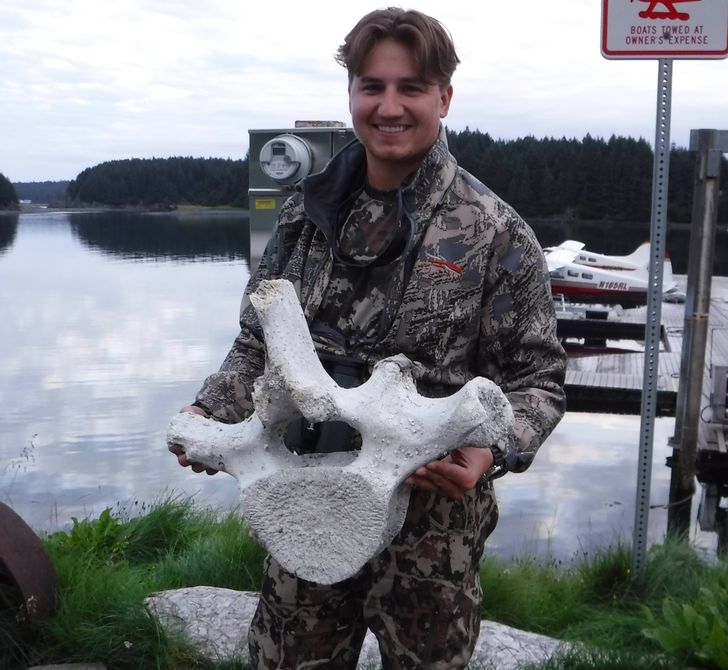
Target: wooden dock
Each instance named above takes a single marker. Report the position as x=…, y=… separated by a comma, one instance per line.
x=613, y=382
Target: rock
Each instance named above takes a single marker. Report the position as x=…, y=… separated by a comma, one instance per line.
x=508, y=648
x=216, y=621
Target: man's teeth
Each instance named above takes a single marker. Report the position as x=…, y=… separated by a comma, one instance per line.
x=392, y=129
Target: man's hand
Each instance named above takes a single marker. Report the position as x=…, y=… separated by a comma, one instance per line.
x=454, y=475
x=179, y=452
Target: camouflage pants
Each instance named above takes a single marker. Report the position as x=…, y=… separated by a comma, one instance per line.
x=420, y=597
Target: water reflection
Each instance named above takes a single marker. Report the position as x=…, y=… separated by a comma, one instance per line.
x=184, y=236
x=8, y=230
x=100, y=351
x=580, y=492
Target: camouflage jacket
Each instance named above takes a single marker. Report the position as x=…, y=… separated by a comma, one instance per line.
x=471, y=295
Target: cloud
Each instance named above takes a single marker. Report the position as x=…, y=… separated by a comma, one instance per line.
x=84, y=82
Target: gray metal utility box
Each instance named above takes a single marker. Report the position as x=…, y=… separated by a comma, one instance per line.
x=281, y=158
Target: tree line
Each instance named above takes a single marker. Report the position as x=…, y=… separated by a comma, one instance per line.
x=163, y=182
x=582, y=179
x=8, y=195
x=46, y=192
x=588, y=179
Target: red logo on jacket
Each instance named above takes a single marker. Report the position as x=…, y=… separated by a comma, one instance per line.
x=443, y=263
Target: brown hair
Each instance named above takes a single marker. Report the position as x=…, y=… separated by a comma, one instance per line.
x=428, y=40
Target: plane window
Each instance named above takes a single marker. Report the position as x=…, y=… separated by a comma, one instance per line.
x=592, y=260
x=573, y=273
x=587, y=275
x=557, y=275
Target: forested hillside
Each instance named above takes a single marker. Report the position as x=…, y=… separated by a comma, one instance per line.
x=42, y=191
x=589, y=179
x=8, y=196
x=585, y=179
x=163, y=181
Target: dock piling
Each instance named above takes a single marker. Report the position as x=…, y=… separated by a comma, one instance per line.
x=710, y=144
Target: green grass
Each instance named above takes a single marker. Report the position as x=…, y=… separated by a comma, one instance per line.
x=615, y=621
x=605, y=659
x=106, y=566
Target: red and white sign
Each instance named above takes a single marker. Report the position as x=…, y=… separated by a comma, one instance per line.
x=665, y=28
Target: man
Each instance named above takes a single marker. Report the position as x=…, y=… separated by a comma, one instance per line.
x=395, y=249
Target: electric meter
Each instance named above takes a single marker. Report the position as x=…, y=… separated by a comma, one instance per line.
x=279, y=159
x=286, y=159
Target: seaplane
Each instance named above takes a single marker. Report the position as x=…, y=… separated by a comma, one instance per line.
x=579, y=275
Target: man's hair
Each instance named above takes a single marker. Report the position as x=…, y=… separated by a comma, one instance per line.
x=427, y=39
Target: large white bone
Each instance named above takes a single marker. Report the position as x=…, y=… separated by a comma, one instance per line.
x=323, y=516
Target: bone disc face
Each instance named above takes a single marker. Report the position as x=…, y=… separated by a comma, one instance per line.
x=321, y=524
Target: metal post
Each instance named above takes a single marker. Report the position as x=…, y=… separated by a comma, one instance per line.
x=658, y=226
x=706, y=191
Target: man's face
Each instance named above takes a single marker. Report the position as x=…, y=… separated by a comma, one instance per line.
x=395, y=114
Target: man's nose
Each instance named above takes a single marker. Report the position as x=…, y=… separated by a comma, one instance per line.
x=390, y=104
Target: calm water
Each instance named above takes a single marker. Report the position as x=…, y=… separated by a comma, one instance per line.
x=110, y=322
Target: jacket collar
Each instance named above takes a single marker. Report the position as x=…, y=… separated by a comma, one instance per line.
x=329, y=194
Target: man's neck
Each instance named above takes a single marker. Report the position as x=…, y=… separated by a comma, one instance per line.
x=378, y=194
x=389, y=175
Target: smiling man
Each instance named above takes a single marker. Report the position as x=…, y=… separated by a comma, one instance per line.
x=396, y=113
x=392, y=249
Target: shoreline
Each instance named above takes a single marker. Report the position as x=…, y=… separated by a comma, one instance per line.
x=181, y=210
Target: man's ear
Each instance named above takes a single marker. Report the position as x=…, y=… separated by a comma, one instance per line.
x=445, y=99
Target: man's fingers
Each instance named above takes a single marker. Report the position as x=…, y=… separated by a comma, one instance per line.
x=180, y=452
x=462, y=478
x=194, y=409
x=186, y=462
x=445, y=470
x=435, y=483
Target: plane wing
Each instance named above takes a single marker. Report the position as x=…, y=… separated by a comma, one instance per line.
x=565, y=253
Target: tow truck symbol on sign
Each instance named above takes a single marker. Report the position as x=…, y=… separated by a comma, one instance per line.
x=671, y=12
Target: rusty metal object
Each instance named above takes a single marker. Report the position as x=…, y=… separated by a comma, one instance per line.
x=27, y=577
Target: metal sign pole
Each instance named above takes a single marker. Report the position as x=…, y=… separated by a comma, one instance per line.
x=658, y=226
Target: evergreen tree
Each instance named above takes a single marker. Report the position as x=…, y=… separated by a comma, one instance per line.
x=8, y=196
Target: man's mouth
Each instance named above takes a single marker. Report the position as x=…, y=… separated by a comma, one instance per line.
x=391, y=129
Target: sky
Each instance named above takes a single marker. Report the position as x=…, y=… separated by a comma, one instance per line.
x=83, y=82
